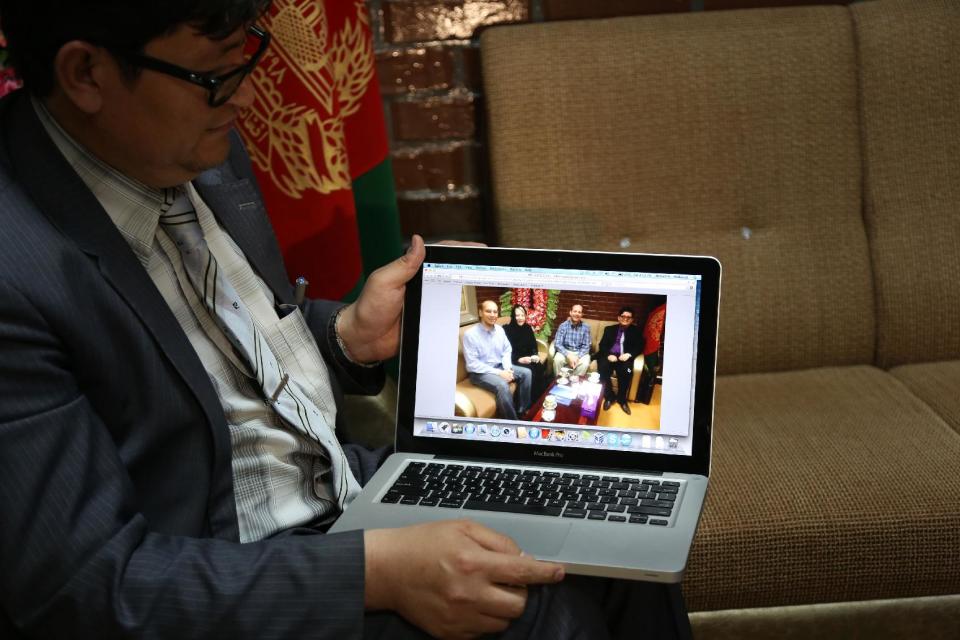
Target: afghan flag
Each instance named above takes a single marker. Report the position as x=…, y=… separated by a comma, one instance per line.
x=318, y=141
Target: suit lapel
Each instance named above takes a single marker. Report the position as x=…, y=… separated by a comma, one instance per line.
x=239, y=210
x=62, y=196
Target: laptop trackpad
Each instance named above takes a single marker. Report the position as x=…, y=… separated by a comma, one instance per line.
x=539, y=539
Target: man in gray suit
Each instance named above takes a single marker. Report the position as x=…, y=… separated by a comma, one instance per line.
x=168, y=459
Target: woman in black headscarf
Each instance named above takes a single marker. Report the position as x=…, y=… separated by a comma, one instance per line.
x=524, y=346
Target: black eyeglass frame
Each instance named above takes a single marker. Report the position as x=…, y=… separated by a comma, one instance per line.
x=212, y=84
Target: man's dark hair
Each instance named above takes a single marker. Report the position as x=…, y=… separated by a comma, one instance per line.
x=629, y=310
x=36, y=29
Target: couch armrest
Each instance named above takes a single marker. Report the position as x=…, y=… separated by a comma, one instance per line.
x=638, y=364
x=463, y=406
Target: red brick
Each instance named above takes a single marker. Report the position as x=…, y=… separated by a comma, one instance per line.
x=437, y=169
x=442, y=217
x=576, y=9
x=434, y=119
x=424, y=68
x=424, y=20
x=753, y=4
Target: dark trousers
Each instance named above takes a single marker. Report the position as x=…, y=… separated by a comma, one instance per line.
x=624, y=373
x=579, y=608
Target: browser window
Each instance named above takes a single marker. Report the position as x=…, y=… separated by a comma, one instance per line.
x=566, y=405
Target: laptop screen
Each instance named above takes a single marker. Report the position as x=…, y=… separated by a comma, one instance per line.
x=582, y=358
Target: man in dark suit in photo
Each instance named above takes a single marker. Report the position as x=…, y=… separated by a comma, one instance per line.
x=171, y=448
x=618, y=347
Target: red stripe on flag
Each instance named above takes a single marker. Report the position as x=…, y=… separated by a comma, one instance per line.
x=317, y=121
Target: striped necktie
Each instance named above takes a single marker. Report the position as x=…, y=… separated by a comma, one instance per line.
x=282, y=392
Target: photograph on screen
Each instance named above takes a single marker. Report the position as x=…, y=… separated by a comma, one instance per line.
x=560, y=358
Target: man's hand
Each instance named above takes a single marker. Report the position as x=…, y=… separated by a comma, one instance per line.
x=506, y=374
x=572, y=359
x=625, y=357
x=370, y=327
x=525, y=360
x=611, y=358
x=453, y=579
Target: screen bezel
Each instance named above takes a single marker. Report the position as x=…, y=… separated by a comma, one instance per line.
x=696, y=463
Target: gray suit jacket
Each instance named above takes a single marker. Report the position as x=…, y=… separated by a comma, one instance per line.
x=117, y=513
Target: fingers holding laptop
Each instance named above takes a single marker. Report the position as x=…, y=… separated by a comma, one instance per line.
x=370, y=327
x=453, y=579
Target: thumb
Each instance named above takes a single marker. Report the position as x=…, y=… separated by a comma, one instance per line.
x=398, y=272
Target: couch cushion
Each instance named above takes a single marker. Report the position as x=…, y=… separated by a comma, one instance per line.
x=910, y=83
x=937, y=384
x=729, y=133
x=827, y=485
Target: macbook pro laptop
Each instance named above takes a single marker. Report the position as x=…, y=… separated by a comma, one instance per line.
x=571, y=480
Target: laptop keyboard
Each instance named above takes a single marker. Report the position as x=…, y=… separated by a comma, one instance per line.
x=545, y=493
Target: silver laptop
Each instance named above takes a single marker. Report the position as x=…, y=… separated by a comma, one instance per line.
x=604, y=492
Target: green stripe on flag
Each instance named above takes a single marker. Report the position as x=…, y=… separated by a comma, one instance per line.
x=379, y=222
x=377, y=217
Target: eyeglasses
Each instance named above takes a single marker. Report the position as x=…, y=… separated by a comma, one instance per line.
x=221, y=88
x=626, y=316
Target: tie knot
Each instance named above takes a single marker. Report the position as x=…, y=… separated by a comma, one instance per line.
x=179, y=220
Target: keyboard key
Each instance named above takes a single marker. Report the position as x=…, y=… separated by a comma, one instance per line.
x=429, y=502
x=638, y=519
x=649, y=511
x=669, y=497
x=409, y=499
x=666, y=489
x=451, y=504
x=663, y=504
x=662, y=523
x=616, y=508
x=597, y=515
x=616, y=519
x=512, y=508
x=611, y=478
x=391, y=497
x=670, y=483
x=575, y=513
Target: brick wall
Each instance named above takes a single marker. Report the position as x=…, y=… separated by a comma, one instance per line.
x=428, y=64
x=596, y=305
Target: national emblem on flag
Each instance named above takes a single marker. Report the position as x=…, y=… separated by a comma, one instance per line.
x=318, y=142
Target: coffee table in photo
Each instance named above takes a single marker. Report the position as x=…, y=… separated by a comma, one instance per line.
x=583, y=409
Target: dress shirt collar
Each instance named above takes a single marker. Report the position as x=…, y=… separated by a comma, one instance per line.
x=134, y=207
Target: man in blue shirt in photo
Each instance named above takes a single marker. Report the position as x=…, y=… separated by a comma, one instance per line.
x=572, y=343
x=486, y=352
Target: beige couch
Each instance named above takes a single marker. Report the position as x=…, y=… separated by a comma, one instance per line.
x=816, y=152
